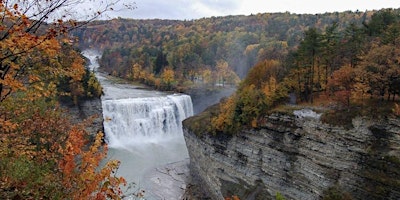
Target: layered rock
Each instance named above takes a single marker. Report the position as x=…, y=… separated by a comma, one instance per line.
x=301, y=158
x=88, y=110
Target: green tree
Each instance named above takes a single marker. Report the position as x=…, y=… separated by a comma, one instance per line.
x=330, y=50
x=380, y=21
x=160, y=62
x=353, y=45
x=308, y=59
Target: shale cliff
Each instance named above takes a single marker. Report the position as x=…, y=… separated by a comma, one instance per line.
x=88, y=109
x=301, y=158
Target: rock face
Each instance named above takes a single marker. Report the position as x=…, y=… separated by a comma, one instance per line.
x=88, y=109
x=301, y=158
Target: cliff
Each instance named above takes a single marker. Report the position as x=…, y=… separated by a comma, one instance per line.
x=301, y=158
x=90, y=109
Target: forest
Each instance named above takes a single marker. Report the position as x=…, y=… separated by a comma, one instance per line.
x=199, y=50
x=344, y=60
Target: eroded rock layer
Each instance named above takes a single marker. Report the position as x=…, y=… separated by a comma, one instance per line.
x=300, y=158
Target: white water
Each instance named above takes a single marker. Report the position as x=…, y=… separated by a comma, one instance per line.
x=143, y=128
x=134, y=121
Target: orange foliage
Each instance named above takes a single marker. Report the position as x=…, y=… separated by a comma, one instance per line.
x=341, y=83
x=225, y=117
x=35, y=134
x=234, y=197
x=81, y=177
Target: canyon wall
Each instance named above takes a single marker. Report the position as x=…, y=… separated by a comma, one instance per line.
x=301, y=158
x=87, y=109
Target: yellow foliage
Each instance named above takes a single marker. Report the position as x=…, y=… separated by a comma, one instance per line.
x=95, y=89
x=250, y=48
x=225, y=117
x=137, y=72
x=207, y=77
x=168, y=75
x=270, y=86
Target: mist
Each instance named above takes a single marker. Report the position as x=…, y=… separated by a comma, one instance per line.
x=203, y=98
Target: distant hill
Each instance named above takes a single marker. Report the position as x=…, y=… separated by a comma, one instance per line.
x=240, y=40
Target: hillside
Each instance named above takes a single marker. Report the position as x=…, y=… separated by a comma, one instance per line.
x=195, y=49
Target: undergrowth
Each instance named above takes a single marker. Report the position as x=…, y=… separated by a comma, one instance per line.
x=372, y=109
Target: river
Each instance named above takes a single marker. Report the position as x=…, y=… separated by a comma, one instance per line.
x=143, y=129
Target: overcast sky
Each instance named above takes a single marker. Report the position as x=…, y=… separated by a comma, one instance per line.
x=194, y=9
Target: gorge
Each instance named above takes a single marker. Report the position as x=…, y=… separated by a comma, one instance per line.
x=295, y=154
x=143, y=130
x=299, y=157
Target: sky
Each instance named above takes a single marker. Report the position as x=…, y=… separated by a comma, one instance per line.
x=195, y=9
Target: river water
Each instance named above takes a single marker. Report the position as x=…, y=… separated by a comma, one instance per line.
x=143, y=130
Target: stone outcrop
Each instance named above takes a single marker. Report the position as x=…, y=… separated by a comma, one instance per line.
x=301, y=158
x=87, y=109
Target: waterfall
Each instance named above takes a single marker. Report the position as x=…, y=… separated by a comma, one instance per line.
x=143, y=129
x=140, y=120
x=134, y=116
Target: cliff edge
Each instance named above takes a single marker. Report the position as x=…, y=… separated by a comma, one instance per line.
x=299, y=157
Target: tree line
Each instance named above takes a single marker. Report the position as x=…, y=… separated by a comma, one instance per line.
x=350, y=67
x=194, y=48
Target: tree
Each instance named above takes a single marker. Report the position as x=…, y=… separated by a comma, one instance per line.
x=36, y=135
x=224, y=121
x=80, y=177
x=168, y=77
x=24, y=32
x=329, y=47
x=353, y=44
x=307, y=57
x=380, y=21
x=251, y=104
x=342, y=84
x=382, y=68
x=160, y=62
x=262, y=72
x=222, y=71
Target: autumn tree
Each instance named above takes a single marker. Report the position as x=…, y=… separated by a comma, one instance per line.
x=222, y=71
x=224, y=121
x=342, y=84
x=250, y=106
x=168, y=77
x=257, y=93
x=36, y=134
x=383, y=70
x=24, y=30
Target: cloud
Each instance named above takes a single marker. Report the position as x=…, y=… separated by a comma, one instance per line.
x=177, y=9
x=194, y=9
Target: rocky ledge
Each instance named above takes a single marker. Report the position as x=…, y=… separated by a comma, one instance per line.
x=299, y=157
x=87, y=110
